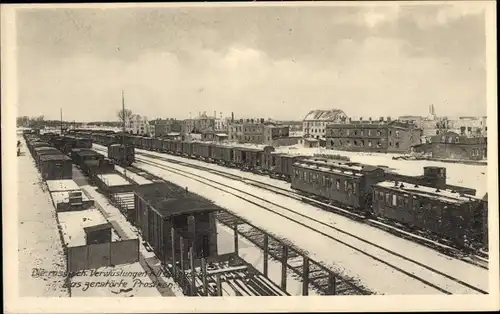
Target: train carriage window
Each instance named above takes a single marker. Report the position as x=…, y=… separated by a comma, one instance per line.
x=406, y=202
x=354, y=188
x=338, y=184
x=394, y=200
x=387, y=198
x=345, y=185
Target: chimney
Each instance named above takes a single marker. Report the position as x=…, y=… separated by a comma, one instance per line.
x=215, y=114
x=382, y=119
x=388, y=119
x=232, y=116
x=360, y=118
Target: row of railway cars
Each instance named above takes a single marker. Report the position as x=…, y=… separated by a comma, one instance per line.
x=424, y=202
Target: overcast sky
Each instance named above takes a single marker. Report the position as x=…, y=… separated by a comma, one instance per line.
x=275, y=62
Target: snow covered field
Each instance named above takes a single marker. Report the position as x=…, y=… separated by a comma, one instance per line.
x=348, y=262
x=40, y=248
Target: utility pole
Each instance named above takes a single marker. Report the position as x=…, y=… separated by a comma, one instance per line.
x=123, y=113
x=61, y=123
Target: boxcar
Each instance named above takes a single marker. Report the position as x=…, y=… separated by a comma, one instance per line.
x=122, y=155
x=146, y=143
x=445, y=213
x=81, y=155
x=177, y=147
x=166, y=146
x=349, y=186
x=44, y=151
x=56, y=167
x=216, y=153
x=204, y=151
x=251, y=158
x=283, y=165
x=187, y=149
x=161, y=207
x=157, y=144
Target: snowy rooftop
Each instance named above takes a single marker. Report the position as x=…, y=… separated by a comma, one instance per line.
x=324, y=115
x=428, y=192
x=169, y=199
x=73, y=222
x=62, y=197
x=113, y=179
x=62, y=185
x=340, y=170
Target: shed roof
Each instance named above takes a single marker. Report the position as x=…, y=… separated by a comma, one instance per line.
x=169, y=199
x=54, y=157
x=99, y=227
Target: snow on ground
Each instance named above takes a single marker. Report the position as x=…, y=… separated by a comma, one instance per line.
x=375, y=275
x=63, y=198
x=255, y=256
x=40, y=247
x=74, y=222
x=113, y=179
x=127, y=280
x=134, y=177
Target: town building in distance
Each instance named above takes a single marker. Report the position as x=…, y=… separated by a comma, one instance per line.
x=382, y=136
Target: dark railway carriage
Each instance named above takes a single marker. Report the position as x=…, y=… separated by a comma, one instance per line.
x=445, y=213
x=203, y=151
x=187, y=149
x=146, y=143
x=159, y=207
x=56, y=167
x=176, y=147
x=38, y=152
x=247, y=158
x=157, y=144
x=121, y=154
x=282, y=165
x=166, y=146
x=349, y=186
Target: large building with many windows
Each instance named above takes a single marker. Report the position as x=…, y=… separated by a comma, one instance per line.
x=315, y=122
x=383, y=136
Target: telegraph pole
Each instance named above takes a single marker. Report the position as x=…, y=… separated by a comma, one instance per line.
x=123, y=125
x=61, y=123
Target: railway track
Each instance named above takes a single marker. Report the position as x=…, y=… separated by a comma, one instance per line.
x=479, y=259
x=326, y=230
x=371, y=251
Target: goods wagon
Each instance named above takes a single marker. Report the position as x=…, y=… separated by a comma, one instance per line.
x=157, y=144
x=247, y=158
x=43, y=151
x=56, y=167
x=187, y=148
x=445, y=213
x=202, y=150
x=121, y=154
x=33, y=145
x=146, y=143
x=282, y=164
x=177, y=147
x=81, y=155
x=159, y=207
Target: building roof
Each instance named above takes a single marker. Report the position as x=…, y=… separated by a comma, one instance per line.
x=324, y=115
x=169, y=199
x=99, y=227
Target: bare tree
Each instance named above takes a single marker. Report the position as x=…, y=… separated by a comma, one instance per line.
x=124, y=115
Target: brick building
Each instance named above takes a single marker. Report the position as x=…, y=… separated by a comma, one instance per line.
x=246, y=131
x=452, y=145
x=162, y=127
x=373, y=136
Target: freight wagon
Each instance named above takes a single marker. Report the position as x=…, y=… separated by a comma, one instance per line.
x=56, y=167
x=159, y=207
x=44, y=151
x=121, y=154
